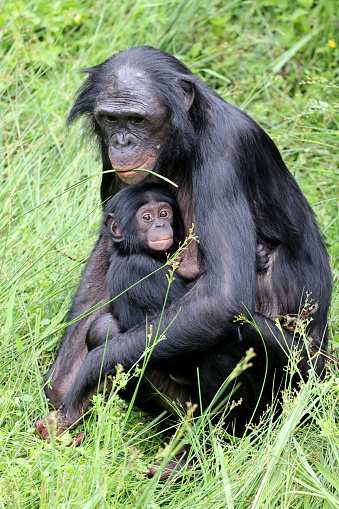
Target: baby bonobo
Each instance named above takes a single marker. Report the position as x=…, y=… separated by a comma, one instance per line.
x=144, y=225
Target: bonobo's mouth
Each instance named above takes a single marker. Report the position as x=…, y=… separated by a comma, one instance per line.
x=132, y=176
x=135, y=174
x=161, y=244
x=125, y=173
x=145, y=166
x=165, y=239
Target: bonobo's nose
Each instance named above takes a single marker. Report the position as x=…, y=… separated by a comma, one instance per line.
x=122, y=140
x=160, y=224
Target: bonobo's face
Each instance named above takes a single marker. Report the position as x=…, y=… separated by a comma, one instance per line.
x=154, y=225
x=134, y=123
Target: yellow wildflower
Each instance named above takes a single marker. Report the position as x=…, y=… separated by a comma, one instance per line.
x=77, y=19
x=331, y=43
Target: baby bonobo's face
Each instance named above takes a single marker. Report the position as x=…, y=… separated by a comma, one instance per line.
x=154, y=225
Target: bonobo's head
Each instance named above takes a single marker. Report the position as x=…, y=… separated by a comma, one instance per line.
x=144, y=218
x=140, y=106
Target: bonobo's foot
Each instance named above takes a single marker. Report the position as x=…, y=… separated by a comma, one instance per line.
x=58, y=423
x=176, y=468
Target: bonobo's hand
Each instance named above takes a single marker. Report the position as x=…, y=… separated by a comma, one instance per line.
x=58, y=423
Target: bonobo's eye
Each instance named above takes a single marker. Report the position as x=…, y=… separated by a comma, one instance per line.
x=137, y=120
x=147, y=217
x=163, y=213
x=110, y=118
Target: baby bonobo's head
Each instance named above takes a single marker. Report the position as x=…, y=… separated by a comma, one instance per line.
x=144, y=218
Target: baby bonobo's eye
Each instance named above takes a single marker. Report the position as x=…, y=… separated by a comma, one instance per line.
x=163, y=213
x=147, y=217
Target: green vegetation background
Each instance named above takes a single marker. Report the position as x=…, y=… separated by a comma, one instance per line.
x=276, y=60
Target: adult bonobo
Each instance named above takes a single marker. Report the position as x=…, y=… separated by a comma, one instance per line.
x=148, y=111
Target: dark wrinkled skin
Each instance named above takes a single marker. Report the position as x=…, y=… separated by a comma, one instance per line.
x=147, y=110
x=132, y=144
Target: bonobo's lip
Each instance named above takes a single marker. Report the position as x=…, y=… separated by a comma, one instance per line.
x=135, y=174
x=146, y=166
x=160, y=240
x=134, y=169
x=125, y=172
x=132, y=175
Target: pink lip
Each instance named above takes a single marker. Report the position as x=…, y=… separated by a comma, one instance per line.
x=142, y=167
x=127, y=172
x=160, y=240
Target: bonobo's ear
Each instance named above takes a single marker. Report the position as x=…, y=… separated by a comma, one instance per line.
x=187, y=92
x=113, y=228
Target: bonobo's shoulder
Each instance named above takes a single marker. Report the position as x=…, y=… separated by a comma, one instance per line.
x=231, y=118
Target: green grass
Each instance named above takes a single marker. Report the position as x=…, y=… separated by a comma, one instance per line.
x=270, y=58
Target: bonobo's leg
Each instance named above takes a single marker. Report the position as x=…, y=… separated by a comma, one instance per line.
x=103, y=328
x=279, y=346
x=257, y=385
x=73, y=349
x=157, y=392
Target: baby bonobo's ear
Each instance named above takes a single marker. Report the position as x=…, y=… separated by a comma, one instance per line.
x=113, y=228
